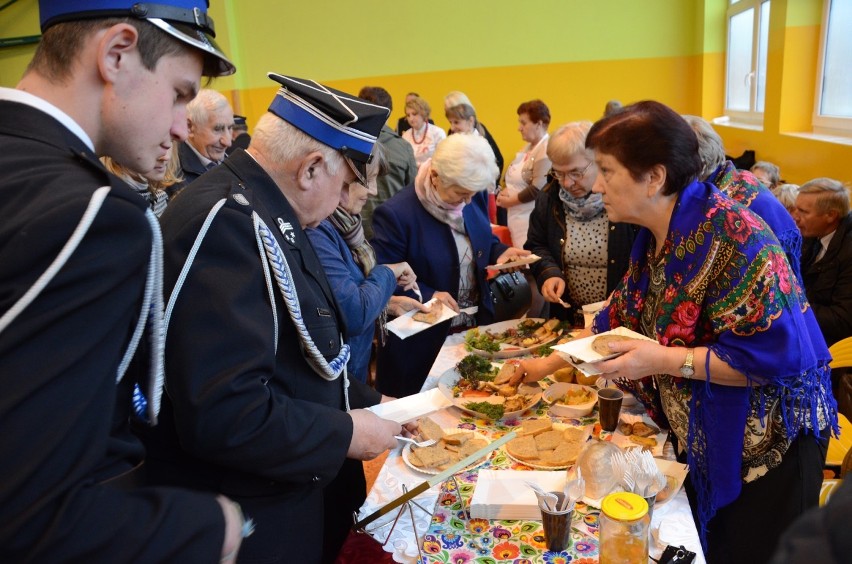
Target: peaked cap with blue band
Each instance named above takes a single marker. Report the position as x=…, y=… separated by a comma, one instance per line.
x=185, y=20
x=341, y=121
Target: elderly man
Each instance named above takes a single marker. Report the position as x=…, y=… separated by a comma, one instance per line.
x=210, y=120
x=743, y=187
x=402, y=168
x=78, y=278
x=822, y=214
x=259, y=404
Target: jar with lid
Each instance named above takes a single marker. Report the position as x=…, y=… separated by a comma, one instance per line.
x=624, y=523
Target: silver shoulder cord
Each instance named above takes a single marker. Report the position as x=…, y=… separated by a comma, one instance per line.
x=274, y=265
x=152, y=301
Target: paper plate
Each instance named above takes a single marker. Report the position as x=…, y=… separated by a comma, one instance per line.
x=449, y=379
x=406, y=450
x=511, y=351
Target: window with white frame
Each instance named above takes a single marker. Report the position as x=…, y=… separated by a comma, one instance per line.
x=745, y=79
x=833, y=108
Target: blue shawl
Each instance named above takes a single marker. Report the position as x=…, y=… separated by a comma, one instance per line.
x=728, y=286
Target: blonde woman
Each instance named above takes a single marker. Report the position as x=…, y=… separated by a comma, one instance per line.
x=152, y=184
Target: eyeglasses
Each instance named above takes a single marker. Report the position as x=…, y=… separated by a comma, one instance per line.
x=572, y=174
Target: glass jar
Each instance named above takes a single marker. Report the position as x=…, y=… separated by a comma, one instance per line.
x=624, y=523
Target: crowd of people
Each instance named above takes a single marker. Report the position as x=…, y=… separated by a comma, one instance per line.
x=195, y=310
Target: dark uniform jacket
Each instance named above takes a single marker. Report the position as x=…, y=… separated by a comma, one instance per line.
x=59, y=360
x=254, y=423
x=828, y=282
x=191, y=168
x=405, y=231
x=546, y=238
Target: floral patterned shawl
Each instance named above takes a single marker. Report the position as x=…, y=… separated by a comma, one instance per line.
x=743, y=187
x=728, y=286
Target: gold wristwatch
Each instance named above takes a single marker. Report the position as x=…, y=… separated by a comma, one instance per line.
x=688, y=368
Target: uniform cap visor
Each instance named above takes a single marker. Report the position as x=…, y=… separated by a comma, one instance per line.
x=215, y=61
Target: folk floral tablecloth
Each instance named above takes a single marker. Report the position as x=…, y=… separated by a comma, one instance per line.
x=455, y=538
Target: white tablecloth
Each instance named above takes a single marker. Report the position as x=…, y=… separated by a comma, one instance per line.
x=388, y=486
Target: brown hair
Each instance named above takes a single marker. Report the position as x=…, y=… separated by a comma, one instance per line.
x=537, y=111
x=61, y=45
x=646, y=134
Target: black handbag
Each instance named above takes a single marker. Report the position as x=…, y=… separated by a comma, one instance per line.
x=511, y=295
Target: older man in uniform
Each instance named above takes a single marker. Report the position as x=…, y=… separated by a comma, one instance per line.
x=79, y=278
x=211, y=121
x=259, y=406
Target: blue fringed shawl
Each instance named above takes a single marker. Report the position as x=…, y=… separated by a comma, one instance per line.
x=729, y=286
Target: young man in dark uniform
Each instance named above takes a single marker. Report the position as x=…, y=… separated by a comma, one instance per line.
x=259, y=404
x=78, y=281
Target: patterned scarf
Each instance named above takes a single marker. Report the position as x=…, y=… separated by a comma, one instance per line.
x=351, y=228
x=583, y=208
x=432, y=202
x=728, y=287
x=743, y=187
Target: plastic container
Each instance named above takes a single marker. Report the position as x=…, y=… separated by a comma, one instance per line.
x=624, y=523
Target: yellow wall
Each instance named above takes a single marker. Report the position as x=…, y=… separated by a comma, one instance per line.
x=573, y=54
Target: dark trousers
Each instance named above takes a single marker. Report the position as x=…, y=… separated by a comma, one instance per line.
x=748, y=529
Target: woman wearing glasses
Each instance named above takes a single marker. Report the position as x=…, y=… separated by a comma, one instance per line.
x=528, y=172
x=583, y=254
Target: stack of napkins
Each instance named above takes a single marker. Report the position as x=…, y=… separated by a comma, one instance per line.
x=504, y=494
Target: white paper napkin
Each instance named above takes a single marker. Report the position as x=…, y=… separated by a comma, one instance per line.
x=404, y=326
x=504, y=494
x=410, y=408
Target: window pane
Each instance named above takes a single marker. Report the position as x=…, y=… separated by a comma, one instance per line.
x=762, y=47
x=837, y=78
x=740, y=35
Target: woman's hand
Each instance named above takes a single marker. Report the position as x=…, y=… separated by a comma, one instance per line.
x=398, y=305
x=404, y=274
x=513, y=253
x=553, y=288
x=534, y=369
x=640, y=359
x=505, y=199
x=447, y=299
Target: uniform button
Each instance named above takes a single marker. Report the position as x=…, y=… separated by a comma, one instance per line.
x=612, y=227
x=316, y=478
x=561, y=241
x=331, y=343
x=478, y=254
x=611, y=261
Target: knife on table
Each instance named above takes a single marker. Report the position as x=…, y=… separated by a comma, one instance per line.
x=436, y=479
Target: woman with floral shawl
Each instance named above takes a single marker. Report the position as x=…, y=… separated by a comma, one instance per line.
x=709, y=281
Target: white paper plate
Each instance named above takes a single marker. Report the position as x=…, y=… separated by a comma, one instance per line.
x=449, y=379
x=515, y=263
x=449, y=430
x=581, y=349
x=511, y=351
x=557, y=427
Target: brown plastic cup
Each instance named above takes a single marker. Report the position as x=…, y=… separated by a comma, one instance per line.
x=557, y=526
x=609, y=407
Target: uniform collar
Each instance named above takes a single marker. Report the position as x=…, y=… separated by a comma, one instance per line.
x=21, y=97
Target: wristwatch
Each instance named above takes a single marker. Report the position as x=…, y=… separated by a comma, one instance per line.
x=688, y=369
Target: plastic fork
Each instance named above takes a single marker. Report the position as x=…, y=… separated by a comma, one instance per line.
x=419, y=444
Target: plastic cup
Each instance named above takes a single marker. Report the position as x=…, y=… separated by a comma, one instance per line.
x=609, y=407
x=557, y=526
